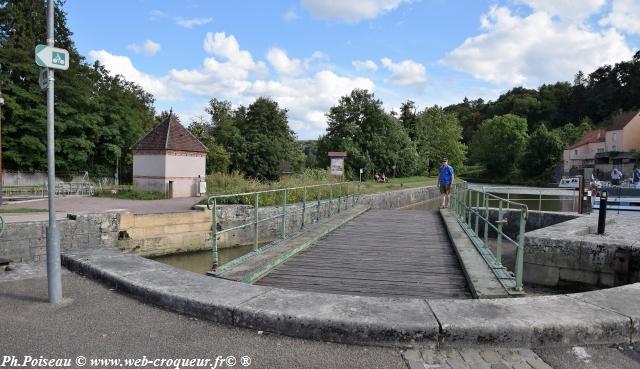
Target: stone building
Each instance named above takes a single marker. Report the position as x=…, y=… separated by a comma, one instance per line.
x=169, y=159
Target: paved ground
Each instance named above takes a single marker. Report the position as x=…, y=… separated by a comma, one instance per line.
x=97, y=322
x=100, y=204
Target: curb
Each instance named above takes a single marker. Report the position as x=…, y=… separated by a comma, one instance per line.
x=599, y=317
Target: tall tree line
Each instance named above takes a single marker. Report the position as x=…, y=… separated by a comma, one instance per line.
x=98, y=116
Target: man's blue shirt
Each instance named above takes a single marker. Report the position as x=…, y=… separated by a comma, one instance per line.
x=446, y=174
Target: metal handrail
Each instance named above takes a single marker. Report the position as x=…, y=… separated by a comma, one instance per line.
x=470, y=216
x=571, y=194
x=2, y=223
x=342, y=201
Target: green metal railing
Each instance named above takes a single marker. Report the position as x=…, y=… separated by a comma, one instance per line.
x=337, y=197
x=472, y=210
x=537, y=196
x=1, y=225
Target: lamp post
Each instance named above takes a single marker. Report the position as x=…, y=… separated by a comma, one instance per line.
x=1, y=104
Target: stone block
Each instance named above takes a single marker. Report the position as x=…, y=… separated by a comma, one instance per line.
x=541, y=274
x=527, y=322
x=579, y=276
x=339, y=318
x=127, y=220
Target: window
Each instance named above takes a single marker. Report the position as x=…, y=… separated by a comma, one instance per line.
x=575, y=152
x=614, y=147
x=600, y=150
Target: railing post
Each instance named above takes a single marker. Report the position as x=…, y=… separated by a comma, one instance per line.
x=330, y=199
x=539, y=200
x=284, y=215
x=256, y=221
x=214, y=237
x=486, y=222
x=304, y=206
x=520, y=250
x=318, y=206
x=478, y=212
x=339, y=196
x=500, y=223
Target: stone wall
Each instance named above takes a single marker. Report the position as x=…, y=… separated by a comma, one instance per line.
x=26, y=241
x=572, y=253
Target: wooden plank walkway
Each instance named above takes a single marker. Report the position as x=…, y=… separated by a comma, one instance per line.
x=390, y=253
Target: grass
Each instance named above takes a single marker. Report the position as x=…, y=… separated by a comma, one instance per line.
x=130, y=194
x=20, y=210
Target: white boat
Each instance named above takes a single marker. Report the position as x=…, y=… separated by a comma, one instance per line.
x=620, y=199
x=572, y=182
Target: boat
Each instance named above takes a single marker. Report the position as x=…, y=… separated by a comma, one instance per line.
x=619, y=199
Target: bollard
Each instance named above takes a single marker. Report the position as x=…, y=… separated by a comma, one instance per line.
x=602, y=213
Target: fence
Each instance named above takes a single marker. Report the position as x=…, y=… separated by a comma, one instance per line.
x=539, y=198
x=335, y=195
x=471, y=208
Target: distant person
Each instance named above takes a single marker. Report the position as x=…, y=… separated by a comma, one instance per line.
x=615, y=177
x=377, y=178
x=636, y=177
x=385, y=179
x=445, y=180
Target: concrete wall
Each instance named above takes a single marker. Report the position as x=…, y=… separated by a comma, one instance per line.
x=25, y=242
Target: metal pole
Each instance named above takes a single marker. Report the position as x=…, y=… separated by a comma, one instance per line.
x=318, y=206
x=54, y=278
x=214, y=237
x=1, y=104
x=486, y=221
x=478, y=210
x=304, y=206
x=330, y=199
x=284, y=215
x=339, y=196
x=520, y=249
x=501, y=223
x=256, y=221
x=602, y=212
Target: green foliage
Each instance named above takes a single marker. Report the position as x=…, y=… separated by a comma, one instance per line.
x=97, y=116
x=439, y=135
x=218, y=159
x=253, y=140
x=374, y=140
x=570, y=134
x=543, y=153
x=500, y=143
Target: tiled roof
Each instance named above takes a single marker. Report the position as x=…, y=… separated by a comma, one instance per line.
x=170, y=135
x=597, y=135
x=622, y=120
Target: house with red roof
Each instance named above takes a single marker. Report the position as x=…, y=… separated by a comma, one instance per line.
x=605, y=149
x=169, y=159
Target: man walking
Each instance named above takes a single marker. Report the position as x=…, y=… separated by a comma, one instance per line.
x=445, y=180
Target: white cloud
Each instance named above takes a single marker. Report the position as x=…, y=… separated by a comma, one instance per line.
x=566, y=9
x=290, y=16
x=191, y=22
x=283, y=64
x=350, y=10
x=361, y=65
x=535, y=49
x=625, y=15
x=149, y=48
x=122, y=65
x=406, y=73
x=231, y=73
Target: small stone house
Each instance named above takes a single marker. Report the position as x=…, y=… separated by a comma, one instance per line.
x=169, y=159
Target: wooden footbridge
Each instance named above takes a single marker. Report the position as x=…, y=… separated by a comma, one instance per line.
x=391, y=253
x=372, y=252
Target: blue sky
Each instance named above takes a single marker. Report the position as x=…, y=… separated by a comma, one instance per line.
x=305, y=54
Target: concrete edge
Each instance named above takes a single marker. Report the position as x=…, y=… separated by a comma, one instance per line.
x=353, y=319
x=481, y=279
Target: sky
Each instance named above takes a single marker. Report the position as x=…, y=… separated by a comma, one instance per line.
x=306, y=54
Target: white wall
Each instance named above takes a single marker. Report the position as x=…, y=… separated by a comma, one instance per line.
x=185, y=166
x=148, y=165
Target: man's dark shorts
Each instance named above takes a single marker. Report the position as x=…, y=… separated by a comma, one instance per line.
x=615, y=182
x=445, y=188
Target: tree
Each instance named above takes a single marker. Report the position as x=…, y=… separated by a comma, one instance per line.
x=500, y=143
x=570, y=134
x=374, y=140
x=439, y=135
x=218, y=159
x=408, y=118
x=98, y=116
x=542, y=154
